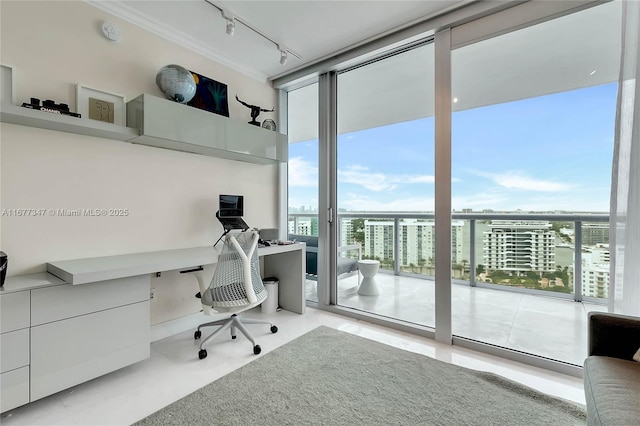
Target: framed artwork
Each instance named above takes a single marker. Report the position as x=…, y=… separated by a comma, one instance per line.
x=99, y=105
x=7, y=85
x=210, y=95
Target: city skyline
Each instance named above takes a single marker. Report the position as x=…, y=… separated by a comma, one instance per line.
x=549, y=153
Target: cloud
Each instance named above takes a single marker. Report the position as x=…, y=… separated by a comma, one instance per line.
x=302, y=172
x=375, y=181
x=360, y=202
x=516, y=180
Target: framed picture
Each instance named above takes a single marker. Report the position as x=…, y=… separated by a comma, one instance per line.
x=210, y=95
x=7, y=85
x=99, y=105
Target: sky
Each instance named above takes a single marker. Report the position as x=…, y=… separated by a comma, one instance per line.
x=549, y=153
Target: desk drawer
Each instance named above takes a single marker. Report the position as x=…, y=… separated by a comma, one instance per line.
x=14, y=389
x=14, y=311
x=69, y=352
x=14, y=350
x=68, y=301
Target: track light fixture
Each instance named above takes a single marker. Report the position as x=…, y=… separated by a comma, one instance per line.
x=283, y=56
x=231, y=26
x=231, y=21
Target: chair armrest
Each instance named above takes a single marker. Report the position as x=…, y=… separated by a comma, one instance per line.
x=613, y=335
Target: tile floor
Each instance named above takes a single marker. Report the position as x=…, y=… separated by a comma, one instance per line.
x=174, y=370
x=545, y=326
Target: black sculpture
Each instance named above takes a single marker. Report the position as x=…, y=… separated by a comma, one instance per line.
x=255, y=111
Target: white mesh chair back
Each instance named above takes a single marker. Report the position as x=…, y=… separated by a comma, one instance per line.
x=230, y=287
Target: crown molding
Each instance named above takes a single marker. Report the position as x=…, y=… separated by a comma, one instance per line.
x=125, y=12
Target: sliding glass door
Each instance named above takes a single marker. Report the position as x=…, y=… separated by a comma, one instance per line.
x=532, y=144
x=302, y=223
x=532, y=124
x=385, y=186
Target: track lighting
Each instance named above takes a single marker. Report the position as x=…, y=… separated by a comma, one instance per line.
x=231, y=26
x=232, y=19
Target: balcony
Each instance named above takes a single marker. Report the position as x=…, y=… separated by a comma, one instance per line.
x=550, y=327
x=548, y=321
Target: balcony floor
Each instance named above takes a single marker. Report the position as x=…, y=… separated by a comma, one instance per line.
x=546, y=326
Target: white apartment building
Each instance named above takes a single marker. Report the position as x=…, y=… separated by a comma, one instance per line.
x=416, y=241
x=378, y=239
x=346, y=232
x=303, y=226
x=519, y=246
x=595, y=271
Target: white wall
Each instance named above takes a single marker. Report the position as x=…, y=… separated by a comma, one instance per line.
x=171, y=196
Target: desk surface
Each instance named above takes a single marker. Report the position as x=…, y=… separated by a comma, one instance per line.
x=93, y=269
x=30, y=282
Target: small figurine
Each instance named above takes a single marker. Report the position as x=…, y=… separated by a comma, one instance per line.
x=255, y=111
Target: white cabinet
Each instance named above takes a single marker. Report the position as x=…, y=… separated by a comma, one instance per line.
x=14, y=389
x=166, y=124
x=14, y=311
x=14, y=349
x=69, y=352
x=55, y=336
x=80, y=332
x=67, y=301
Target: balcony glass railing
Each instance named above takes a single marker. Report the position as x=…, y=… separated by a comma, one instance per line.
x=571, y=260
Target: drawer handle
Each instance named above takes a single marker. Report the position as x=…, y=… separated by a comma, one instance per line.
x=186, y=271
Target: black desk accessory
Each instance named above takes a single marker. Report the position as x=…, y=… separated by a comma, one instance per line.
x=50, y=106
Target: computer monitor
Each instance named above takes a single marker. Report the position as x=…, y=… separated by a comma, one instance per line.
x=231, y=206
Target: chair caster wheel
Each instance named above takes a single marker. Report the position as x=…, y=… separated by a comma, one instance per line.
x=202, y=354
x=256, y=350
x=197, y=335
x=274, y=329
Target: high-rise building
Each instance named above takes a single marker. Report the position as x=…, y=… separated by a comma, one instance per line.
x=303, y=225
x=518, y=247
x=595, y=271
x=416, y=243
x=346, y=232
x=378, y=239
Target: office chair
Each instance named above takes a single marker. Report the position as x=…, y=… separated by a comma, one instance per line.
x=235, y=287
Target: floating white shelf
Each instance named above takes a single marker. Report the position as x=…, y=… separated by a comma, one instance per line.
x=64, y=123
x=162, y=123
x=166, y=124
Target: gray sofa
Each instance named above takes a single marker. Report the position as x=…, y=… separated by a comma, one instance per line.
x=345, y=264
x=611, y=377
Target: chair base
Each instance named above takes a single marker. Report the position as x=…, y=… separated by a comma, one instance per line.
x=233, y=323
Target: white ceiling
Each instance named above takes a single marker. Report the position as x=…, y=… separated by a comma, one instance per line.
x=312, y=29
x=574, y=51
x=551, y=57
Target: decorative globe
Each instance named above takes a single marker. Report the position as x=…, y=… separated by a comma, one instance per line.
x=177, y=83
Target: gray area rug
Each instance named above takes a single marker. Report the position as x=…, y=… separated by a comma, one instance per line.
x=328, y=377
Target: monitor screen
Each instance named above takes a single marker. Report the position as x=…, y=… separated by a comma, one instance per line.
x=231, y=206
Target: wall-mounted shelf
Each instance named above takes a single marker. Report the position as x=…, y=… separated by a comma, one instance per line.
x=63, y=123
x=166, y=124
x=162, y=123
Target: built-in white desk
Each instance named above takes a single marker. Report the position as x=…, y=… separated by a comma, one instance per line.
x=88, y=317
x=283, y=261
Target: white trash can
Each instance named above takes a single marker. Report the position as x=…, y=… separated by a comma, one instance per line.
x=270, y=305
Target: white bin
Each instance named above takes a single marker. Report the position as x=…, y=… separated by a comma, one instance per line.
x=270, y=305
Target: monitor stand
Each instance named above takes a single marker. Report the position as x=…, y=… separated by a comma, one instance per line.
x=226, y=231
